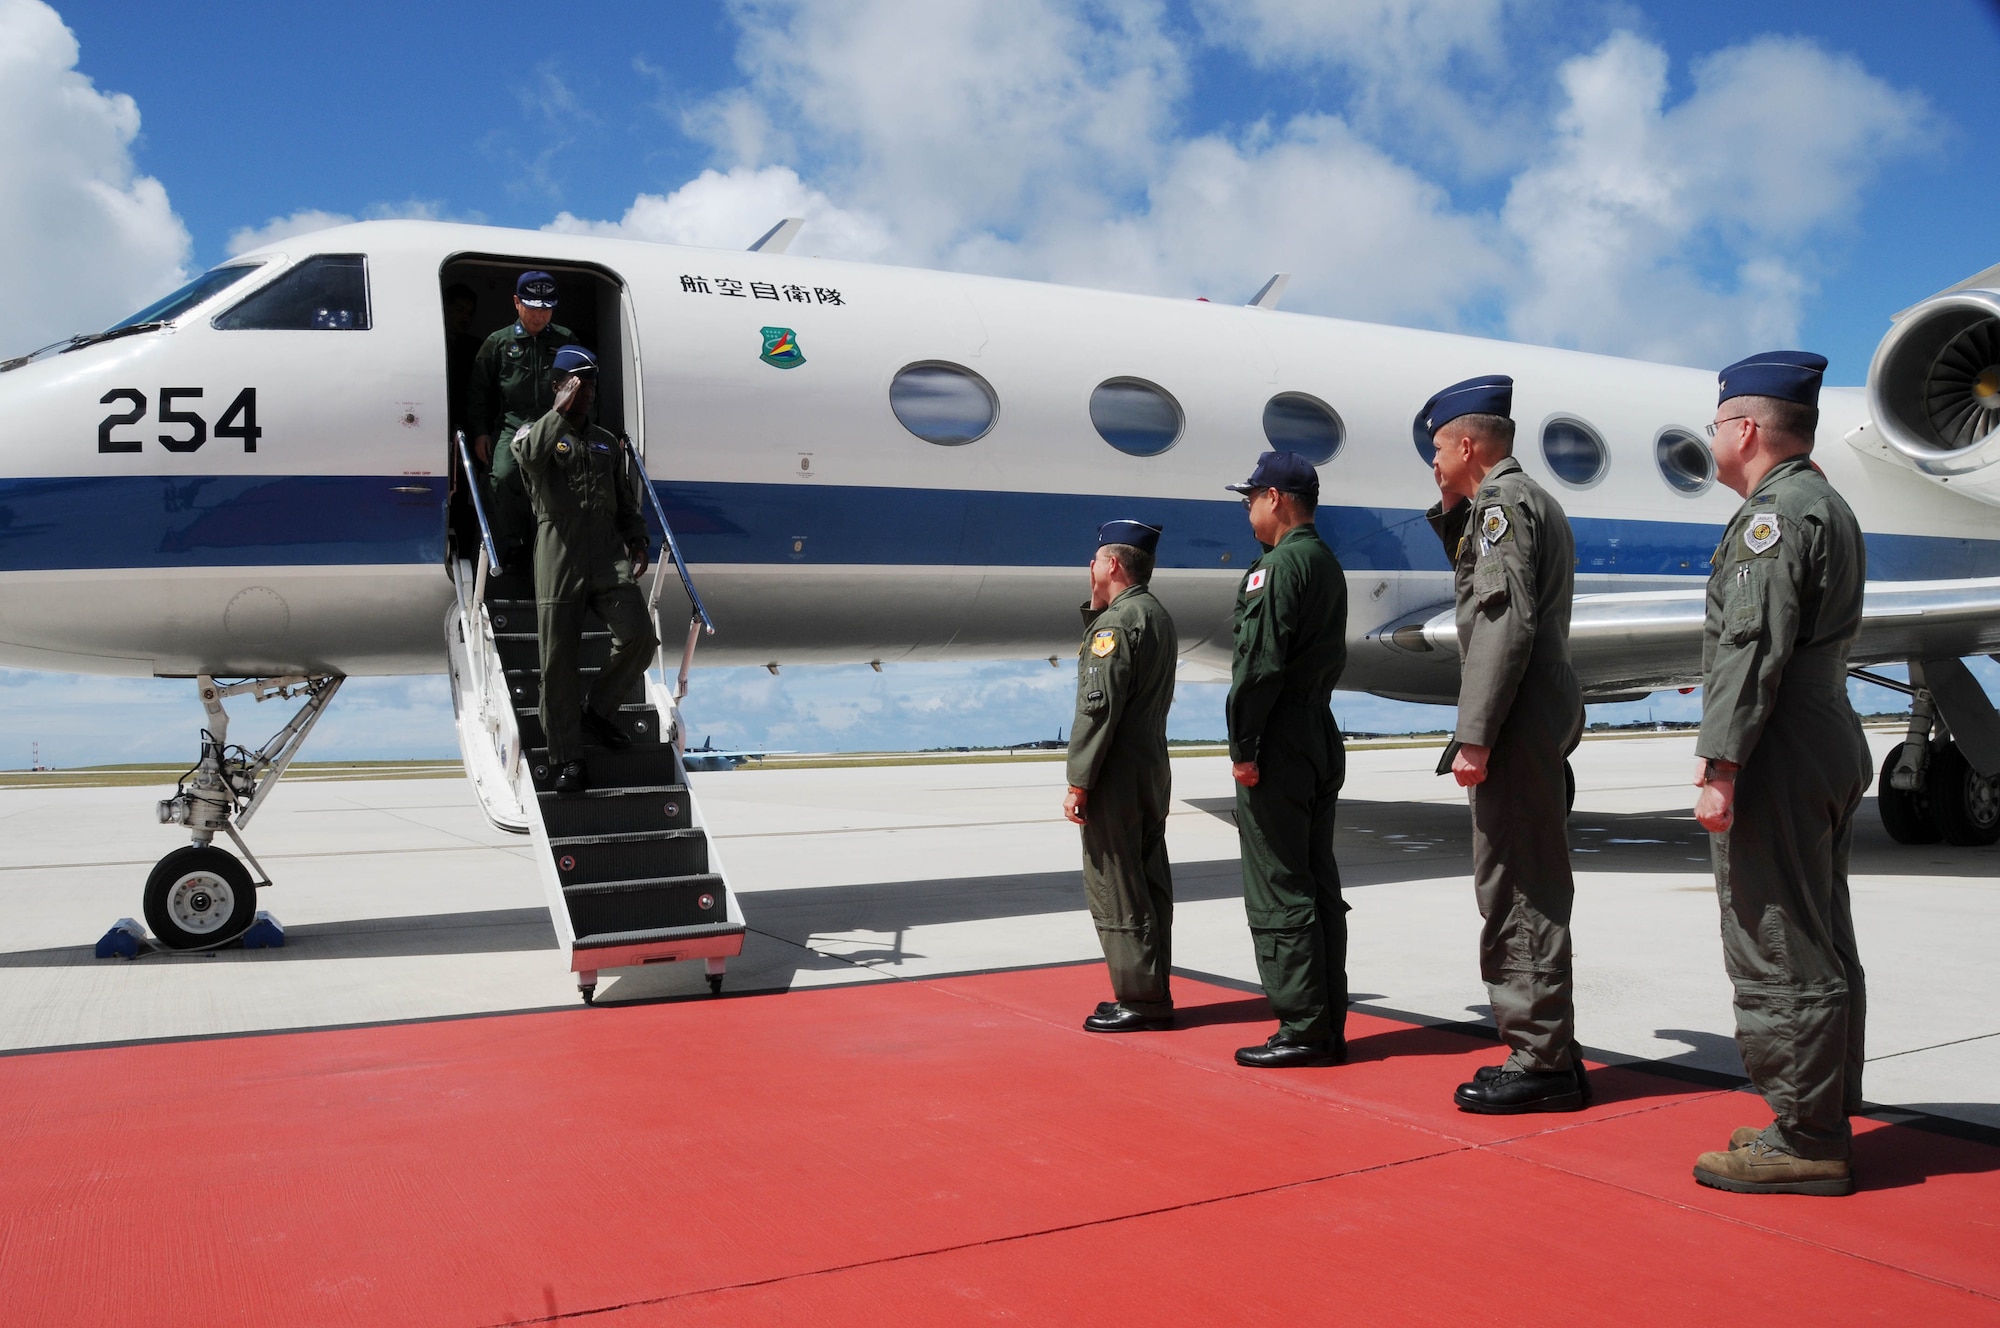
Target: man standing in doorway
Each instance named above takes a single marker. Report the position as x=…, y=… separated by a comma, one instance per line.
x=1119, y=782
x=1783, y=768
x=509, y=389
x=1520, y=713
x=1287, y=759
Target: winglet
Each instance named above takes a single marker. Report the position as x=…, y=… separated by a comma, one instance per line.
x=1267, y=298
x=779, y=237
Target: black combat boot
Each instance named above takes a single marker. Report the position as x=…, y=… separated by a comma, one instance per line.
x=572, y=779
x=608, y=734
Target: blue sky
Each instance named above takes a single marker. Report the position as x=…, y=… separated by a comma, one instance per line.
x=1687, y=181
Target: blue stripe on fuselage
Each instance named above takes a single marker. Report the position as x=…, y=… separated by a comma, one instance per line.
x=248, y=521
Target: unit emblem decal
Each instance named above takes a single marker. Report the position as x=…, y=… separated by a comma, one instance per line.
x=1762, y=532
x=1103, y=643
x=781, y=348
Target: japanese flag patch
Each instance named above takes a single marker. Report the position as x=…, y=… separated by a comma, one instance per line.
x=1254, y=583
x=1103, y=643
x=1762, y=533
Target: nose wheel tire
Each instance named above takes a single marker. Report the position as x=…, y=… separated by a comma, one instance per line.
x=199, y=896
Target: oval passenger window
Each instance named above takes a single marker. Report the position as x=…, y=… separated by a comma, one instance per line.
x=1295, y=422
x=1574, y=452
x=1685, y=461
x=1135, y=417
x=943, y=403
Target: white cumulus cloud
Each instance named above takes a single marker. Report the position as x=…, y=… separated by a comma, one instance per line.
x=84, y=238
x=728, y=210
x=307, y=220
x=1684, y=232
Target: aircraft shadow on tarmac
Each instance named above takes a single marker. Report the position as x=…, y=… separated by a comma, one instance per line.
x=491, y=931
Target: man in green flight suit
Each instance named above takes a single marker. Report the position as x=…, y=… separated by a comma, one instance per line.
x=1287, y=759
x=509, y=388
x=1119, y=783
x=590, y=546
x=1783, y=768
x=1520, y=713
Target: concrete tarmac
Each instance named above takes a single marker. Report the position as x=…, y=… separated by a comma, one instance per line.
x=401, y=902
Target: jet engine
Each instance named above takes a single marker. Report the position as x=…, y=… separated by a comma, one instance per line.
x=1934, y=390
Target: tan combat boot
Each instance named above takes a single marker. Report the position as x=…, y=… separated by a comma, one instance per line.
x=1743, y=1136
x=1758, y=1168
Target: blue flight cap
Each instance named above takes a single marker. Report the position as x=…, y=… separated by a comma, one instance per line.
x=537, y=290
x=574, y=360
x=1138, y=534
x=1788, y=375
x=1490, y=395
x=1287, y=472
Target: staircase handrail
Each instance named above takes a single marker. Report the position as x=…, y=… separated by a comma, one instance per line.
x=478, y=503
x=673, y=549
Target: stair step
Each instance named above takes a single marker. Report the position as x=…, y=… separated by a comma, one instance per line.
x=643, y=764
x=525, y=686
x=617, y=810
x=640, y=722
x=664, y=901
x=600, y=859
x=616, y=939
x=523, y=650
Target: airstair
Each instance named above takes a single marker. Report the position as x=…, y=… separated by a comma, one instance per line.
x=629, y=870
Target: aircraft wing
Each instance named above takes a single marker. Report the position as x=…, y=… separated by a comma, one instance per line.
x=1645, y=641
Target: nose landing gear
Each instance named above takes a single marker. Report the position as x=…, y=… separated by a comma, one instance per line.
x=202, y=896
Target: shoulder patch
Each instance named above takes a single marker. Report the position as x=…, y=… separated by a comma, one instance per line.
x=1254, y=582
x=1763, y=532
x=1103, y=642
x=1493, y=525
x=562, y=447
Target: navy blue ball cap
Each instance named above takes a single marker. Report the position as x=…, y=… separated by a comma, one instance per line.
x=574, y=360
x=537, y=290
x=1287, y=472
x=1138, y=534
x=1788, y=375
x=1492, y=394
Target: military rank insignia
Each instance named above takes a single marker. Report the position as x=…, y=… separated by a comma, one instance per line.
x=1103, y=643
x=1762, y=533
x=781, y=348
x=1254, y=583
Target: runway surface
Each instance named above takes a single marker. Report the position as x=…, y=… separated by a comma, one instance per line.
x=937, y=1140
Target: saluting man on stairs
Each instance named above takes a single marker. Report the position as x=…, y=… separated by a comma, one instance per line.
x=590, y=548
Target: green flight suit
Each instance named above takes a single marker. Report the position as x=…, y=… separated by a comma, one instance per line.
x=586, y=514
x=1291, y=644
x=1784, y=606
x=1118, y=751
x=1514, y=571
x=507, y=389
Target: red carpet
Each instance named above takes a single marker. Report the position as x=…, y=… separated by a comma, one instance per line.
x=937, y=1152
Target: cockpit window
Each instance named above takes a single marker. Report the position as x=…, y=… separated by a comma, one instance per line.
x=325, y=293
x=212, y=282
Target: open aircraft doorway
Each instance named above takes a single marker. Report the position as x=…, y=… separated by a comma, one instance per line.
x=593, y=302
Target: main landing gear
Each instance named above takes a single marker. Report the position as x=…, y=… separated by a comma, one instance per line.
x=201, y=896
x=1928, y=790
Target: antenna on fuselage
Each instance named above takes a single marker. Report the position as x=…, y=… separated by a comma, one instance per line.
x=1266, y=298
x=779, y=237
